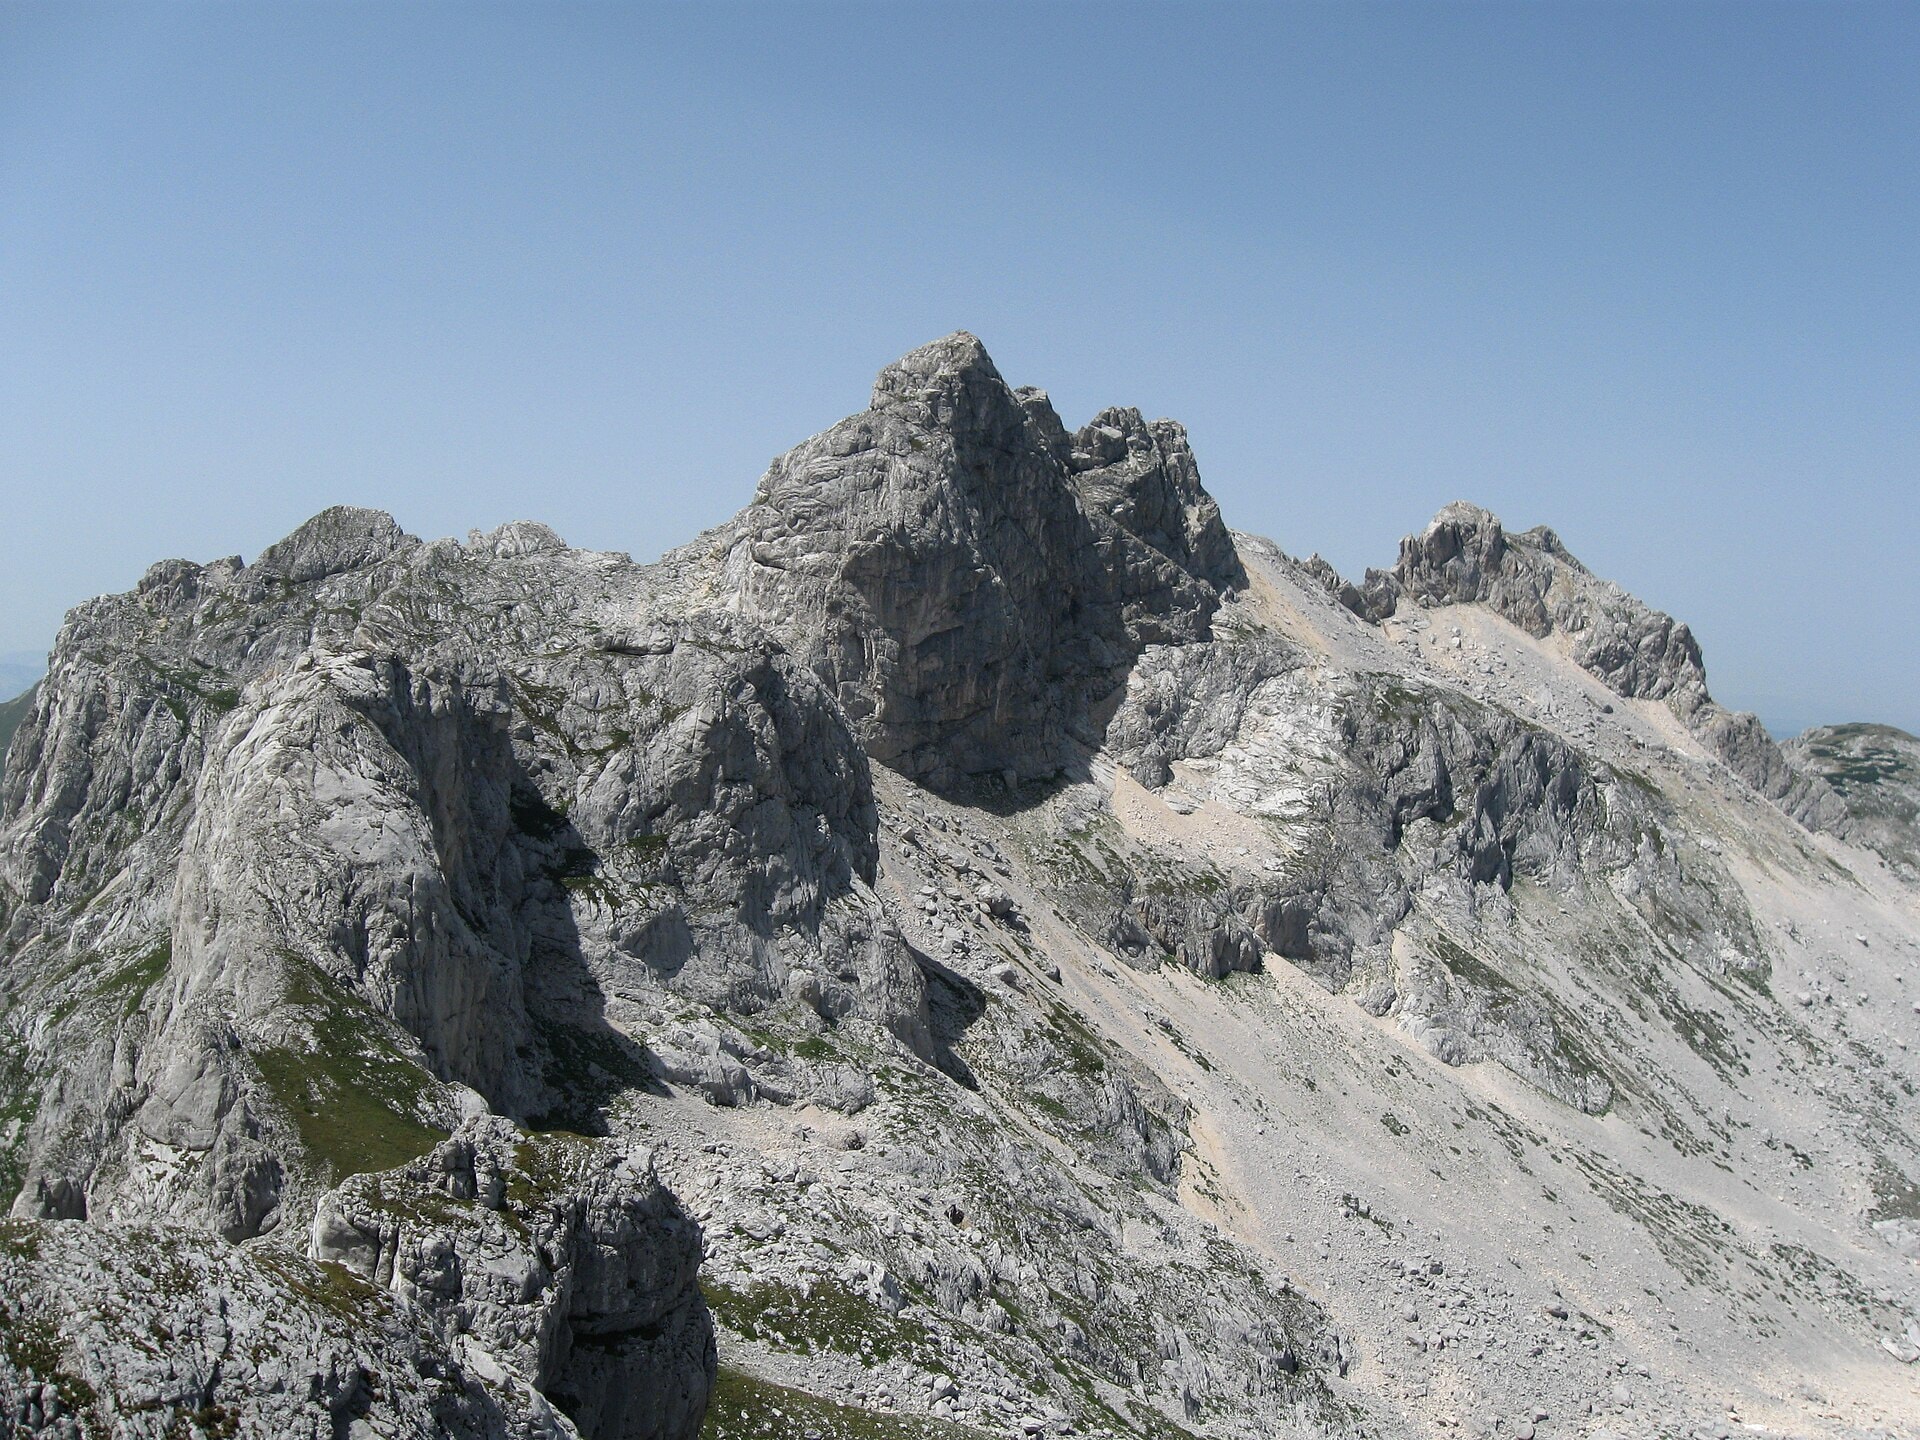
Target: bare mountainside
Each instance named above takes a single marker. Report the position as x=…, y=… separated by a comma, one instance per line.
x=970, y=947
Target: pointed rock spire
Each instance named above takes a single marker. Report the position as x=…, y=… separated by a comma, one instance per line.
x=962, y=573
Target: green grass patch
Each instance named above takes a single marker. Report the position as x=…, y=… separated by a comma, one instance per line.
x=829, y=1317
x=327, y=1284
x=815, y=1048
x=31, y=1345
x=203, y=685
x=547, y=1163
x=1852, y=760
x=131, y=982
x=1400, y=704
x=744, y=1407
x=20, y=1240
x=355, y=1098
x=1080, y=1050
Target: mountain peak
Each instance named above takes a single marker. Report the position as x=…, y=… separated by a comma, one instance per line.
x=942, y=377
x=962, y=572
x=1464, y=515
x=955, y=353
x=343, y=537
x=1465, y=556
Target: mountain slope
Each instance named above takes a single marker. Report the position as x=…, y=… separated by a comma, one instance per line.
x=1083, y=970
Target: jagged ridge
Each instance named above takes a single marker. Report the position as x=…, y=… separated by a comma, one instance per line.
x=312, y=863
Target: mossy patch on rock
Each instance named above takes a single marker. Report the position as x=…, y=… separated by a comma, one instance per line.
x=358, y=1102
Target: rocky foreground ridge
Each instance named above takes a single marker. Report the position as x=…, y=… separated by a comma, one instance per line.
x=969, y=947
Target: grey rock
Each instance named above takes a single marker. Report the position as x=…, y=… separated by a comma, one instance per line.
x=12, y=712
x=141, y=1329
x=334, y=800
x=333, y=542
x=1465, y=556
x=964, y=589
x=562, y=1256
x=336, y=889
x=1875, y=771
x=1423, y=787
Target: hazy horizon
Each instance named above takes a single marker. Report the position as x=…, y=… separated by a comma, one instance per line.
x=1641, y=273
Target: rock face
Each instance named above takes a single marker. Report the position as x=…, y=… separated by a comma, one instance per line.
x=1065, y=967
x=1466, y=557
x=965, y=577
x=148, y=1330
x=563, y=1258
x=1424, y=792
x=1875, y=770
x=333, y=803
x=12, y=712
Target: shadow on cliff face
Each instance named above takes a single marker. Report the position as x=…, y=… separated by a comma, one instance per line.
x=633, y=1358
x=1008, y=794
x=967, y=577
x=996, y=796
x=954, y=1003
x=584, y=1063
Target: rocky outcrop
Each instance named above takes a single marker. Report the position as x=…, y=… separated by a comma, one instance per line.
x=966, y=578
x=12, y=712
x=334, y=542
x=454, y=795
x=109, y=1330
x=562, y=1258
x=1420, y=795
x=1466, y=557
x=100, y=776
x=1175, y=557
x=1875, y=770
x=1508, y=797
x=399, y=902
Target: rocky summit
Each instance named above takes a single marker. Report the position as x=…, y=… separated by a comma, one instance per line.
x=972, y=947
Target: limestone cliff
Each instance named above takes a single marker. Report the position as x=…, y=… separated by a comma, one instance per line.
x=1465, y=556
x=966, y=578
x=991, y=948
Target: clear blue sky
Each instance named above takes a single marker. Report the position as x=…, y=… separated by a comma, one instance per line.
x=1645, y=273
